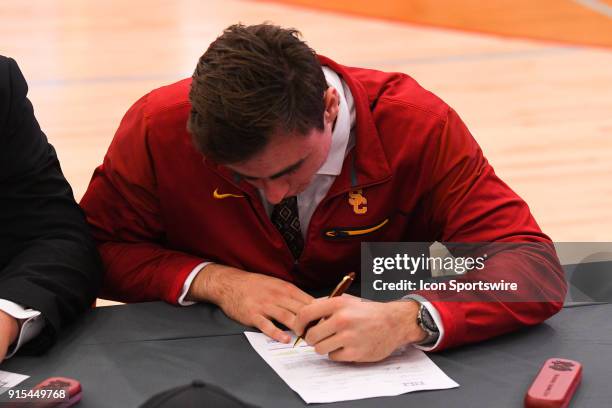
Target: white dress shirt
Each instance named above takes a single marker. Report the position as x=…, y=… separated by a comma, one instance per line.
x=343, y=140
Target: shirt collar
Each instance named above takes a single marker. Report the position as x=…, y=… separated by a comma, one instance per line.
x=342, y=128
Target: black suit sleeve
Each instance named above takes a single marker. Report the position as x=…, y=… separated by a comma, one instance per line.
x=48, y=260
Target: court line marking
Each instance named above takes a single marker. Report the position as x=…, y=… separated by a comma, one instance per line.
x=487, y=56
x=443, y=27
x=440, y=59
x=107, y=80
x=597, y=6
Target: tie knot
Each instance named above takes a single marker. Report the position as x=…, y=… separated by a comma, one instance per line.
x=288, y=201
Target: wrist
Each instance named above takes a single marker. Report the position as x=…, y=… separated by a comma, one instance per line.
x=200, y=289
x=212, y=283
x=9, y=325
x=405, y=312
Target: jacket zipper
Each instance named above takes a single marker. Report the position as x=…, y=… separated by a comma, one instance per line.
x=266, y=220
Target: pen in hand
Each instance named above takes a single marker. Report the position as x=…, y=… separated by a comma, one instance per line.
x=338, y=291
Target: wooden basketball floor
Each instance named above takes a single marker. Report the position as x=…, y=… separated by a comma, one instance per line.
x=541, y=111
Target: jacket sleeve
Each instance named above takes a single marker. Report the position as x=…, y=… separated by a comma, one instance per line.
x=48, y=260
x=468, y=203
x=122, y=207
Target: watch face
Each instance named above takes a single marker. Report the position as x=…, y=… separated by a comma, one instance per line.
x=427, y=319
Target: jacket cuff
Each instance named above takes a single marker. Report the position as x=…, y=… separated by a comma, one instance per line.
x=174, y=292
x=435, y=316
x=187, y=284
x=453, y=321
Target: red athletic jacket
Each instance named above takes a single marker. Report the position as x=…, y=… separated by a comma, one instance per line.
x=158, y=209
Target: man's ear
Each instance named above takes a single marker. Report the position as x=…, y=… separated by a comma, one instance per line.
x=331, y=100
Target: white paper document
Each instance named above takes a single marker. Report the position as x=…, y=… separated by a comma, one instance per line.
x=9, y=380
x=317, y=379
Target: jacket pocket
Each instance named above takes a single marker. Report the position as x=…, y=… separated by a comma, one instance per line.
x=348, y=232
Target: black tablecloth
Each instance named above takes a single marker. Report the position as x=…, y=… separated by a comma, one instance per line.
x=124, y=354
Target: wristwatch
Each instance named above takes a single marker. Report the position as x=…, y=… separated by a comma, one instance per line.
x=426, y=322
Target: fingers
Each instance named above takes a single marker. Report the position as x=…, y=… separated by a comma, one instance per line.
x=269, y=329
x=330, y=344
x=317, y=310
x=322, y=330
x=282, y=316
x=289, y=293
x=290, y=304
x=284, y=310
x=342, y=354
x=301, y=296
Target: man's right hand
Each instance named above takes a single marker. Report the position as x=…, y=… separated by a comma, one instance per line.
x=9, y=329
x=252, y=299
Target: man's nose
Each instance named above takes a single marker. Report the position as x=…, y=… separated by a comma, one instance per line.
x=275, y=190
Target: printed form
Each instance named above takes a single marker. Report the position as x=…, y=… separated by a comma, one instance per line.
x=9, y=380
x=318, y=380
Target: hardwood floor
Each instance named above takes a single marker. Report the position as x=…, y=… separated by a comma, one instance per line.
x=541, y=112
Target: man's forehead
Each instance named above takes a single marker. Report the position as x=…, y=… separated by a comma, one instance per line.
x=282, y=154
x=254, y=174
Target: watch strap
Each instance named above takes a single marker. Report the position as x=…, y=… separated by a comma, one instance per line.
x=428, y=325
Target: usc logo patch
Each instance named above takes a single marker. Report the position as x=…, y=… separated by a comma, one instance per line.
x=358, y=201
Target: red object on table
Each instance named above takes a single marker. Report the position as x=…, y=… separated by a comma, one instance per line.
x=72, y=386
x=555, y=384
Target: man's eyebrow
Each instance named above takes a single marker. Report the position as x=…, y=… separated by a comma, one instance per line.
x=281, y=173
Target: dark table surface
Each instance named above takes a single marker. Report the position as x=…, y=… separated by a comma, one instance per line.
x=124, y=354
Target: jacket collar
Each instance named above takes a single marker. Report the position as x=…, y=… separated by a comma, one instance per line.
x=367, y=163
x=341, y=131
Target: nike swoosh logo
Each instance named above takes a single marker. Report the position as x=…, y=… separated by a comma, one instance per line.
x=225, y=195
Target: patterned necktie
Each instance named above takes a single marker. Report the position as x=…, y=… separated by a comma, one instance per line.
x=286, y=219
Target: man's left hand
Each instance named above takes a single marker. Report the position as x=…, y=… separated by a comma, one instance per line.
x=358, y=330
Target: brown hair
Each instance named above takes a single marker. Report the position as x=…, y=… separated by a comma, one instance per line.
x=252, y=82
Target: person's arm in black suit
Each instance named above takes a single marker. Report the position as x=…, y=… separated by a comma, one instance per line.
x=48, y=261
